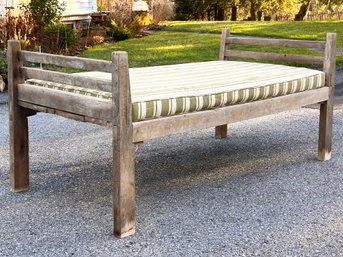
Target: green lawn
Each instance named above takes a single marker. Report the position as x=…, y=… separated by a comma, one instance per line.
x=162, y=48
x=182, y=43
x=313, y=30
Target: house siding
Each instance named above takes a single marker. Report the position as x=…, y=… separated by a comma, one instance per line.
x=79, y=7
x=72, y=7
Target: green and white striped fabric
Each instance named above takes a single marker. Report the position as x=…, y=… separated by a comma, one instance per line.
x=182, y=88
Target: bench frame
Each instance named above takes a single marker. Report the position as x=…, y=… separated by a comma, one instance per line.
x=26, y=100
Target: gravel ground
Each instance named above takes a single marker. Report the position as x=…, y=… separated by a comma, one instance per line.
x=261, y=192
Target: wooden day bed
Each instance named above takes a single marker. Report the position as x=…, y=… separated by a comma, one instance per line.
x=165, y=100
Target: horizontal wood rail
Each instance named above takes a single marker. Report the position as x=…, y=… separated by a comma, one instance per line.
x=145, y=130
x=275, y=57
x=67, y=61
x=276, y=42
x=65, y=78
x=68, y=102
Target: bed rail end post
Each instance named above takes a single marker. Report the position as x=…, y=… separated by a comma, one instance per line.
x=221, y=131
x=124, y=203
x=18, y=125
x=326, y=108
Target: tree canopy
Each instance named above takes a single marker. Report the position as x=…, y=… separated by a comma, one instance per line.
x=248, y=9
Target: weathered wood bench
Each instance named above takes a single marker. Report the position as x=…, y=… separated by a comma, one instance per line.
x=146, y=118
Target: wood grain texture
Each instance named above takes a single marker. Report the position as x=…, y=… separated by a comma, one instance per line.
x=303, y=59
x=67, y=61
x=145, y=130
x=274, y=42
x=18, y=125
x=68, y=115
x=326, y=108
x=221, y=131
x=124, y=198
x=224, y=46
x=64, y=101
x=68, y=79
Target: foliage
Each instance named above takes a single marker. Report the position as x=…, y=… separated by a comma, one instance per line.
x=58, y=36
x=118, y=33
x=44, y=13
x=162, y=10
x=121, y=12
x=246, y=9
x=3, y=65
x=102, y=5
x=19, y=27
x=139, y=22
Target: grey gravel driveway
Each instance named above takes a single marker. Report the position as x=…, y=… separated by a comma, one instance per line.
x=261, y=192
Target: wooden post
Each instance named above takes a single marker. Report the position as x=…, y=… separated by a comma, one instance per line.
x=221, y=131
x=326, y=108
x=18, y=126
x=223, y=45
x=124, y=203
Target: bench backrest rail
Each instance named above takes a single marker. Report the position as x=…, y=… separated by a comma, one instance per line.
x=226, y=53
x=66, y=61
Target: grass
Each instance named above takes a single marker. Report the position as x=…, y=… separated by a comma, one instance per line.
x=310, y=30
x=162, y=48
x=199, y=41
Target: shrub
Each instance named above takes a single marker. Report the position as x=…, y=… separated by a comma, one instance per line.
x=139, y=22
x=57, y=37
x=19, y=27
x=118, y=33
x=162, y=10
x=121, y=12
x=44, y=13
x=3, y=65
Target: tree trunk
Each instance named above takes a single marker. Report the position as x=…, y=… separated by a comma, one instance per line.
x=234, y=13
x=259, y=15
x=302, y=11
x=220, y=15
x=252, y=12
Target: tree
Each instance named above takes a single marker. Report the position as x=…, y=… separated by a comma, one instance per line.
x=303, y=10
x=44, y=14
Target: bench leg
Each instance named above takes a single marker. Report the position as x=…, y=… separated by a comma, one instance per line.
x=221, y=131
x=325, y=130
x=124, y=203
x=19, y=149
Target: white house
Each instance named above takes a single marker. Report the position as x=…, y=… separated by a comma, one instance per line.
x=77, y=9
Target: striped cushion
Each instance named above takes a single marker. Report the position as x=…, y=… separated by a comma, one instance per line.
x=176, y=89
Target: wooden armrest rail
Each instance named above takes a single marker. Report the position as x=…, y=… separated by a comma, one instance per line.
x=68, y=79
x=67, y=61
x=294, y=43
x=276, y=57
x=69, y=102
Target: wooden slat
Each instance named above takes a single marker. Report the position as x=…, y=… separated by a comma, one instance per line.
x=69, y=79
x=73, y=103
x=145, y=130
x=18, y=125
x=64, y=114
x=257, y=41
x=276, y=57
x=326, y=108
x=124, y=196
x=67, y=61
x=223, y=45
